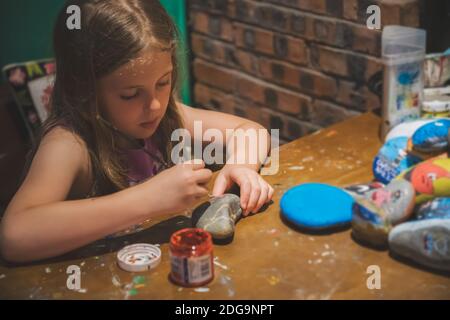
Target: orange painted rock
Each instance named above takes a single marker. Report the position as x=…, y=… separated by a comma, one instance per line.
x=430, y=179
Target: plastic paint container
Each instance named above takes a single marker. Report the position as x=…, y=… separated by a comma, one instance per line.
x=191, y=257
x=432, y=115
x=403, y=51
x=139, y=257
x=436, y=106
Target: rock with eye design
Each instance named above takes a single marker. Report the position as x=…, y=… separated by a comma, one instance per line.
x=438, y=208
x=218, y=216
x=430, y=178
x=378, y=211
x=425, y=241
x=432, y=137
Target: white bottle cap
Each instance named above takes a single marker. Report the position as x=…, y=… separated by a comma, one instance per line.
x=139, y=257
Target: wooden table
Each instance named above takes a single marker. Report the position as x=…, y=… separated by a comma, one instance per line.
x=266, y=259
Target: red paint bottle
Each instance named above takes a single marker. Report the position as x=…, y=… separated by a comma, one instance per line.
x=191, y=257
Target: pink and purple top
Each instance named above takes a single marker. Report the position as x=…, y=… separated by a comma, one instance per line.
x=143, y=163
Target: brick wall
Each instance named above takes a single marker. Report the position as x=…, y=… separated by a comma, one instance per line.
x=295, y=65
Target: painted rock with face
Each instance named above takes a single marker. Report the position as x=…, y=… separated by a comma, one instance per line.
x=360, y=190
x=438, y=208
x=432, y=137
x=406, y=129
x=378, y=211
x=426, y=242
x=393, y=159
x=218, y=216
x=430, y=179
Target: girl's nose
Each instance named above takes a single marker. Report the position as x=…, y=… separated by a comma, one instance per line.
x=154, y=105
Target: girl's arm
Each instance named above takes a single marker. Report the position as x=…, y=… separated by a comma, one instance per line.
x=39, y=223
x=224, y=121
x=254, y=190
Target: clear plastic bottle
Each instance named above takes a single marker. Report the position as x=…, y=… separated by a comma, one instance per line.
x=403, y=52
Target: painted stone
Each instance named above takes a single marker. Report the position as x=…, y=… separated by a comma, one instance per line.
x=432, y=137
x=317, y=207
x=376, y=213
x=219, y=215
x=426, y=242
x=406, y=129
x=393, y=159
x=430, y=179
x=438, y=208
x=359, y=190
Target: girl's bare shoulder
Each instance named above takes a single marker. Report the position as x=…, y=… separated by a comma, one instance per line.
x=60, y=135
x=67, y=146
x=61, y=139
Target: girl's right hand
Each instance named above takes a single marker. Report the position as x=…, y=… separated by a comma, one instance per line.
x=180, y=186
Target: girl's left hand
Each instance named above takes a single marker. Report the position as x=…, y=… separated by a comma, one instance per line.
x=255, y=191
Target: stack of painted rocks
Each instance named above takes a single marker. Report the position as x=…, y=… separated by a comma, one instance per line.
x=410, y=211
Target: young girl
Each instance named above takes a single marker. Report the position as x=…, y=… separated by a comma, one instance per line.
x=113, y=112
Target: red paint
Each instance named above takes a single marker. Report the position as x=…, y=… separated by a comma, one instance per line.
x=191, y=255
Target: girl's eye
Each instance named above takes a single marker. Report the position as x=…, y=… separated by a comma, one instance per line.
x=163, y=83
x=129, y=97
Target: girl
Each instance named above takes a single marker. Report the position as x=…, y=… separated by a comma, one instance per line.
x=113, y=112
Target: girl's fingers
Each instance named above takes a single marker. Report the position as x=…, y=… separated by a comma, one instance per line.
x=201, y=192
x=254, y=194
x=245, y=188
x=263, y=198
x=220, y=185
x=195, y=164
x=203, y=175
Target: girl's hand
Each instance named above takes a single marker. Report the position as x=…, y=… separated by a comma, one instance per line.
x=180, y=186
x=255, y=191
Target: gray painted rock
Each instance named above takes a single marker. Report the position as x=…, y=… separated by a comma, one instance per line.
x=379, y=210
x=218, y=216
x=426, y=242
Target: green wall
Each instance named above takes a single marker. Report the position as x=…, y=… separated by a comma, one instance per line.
x=26, y=32
x=177, y=10
x=26, y=29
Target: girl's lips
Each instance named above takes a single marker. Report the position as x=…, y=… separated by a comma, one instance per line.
x=149, y=124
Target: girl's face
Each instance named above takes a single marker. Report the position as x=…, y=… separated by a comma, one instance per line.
x=134, y=97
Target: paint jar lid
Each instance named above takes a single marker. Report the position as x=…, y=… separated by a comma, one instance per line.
x=139, y=257
x=436, y=103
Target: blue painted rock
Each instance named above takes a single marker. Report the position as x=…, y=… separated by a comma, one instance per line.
x=317, y=206
x=219, y=215
x=393, y=159
x=426, y=242
x=406, y=129
x=432, y=137
x=438, y=208
x=377, y=212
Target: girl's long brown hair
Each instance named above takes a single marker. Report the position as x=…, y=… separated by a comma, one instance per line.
x=112, y=33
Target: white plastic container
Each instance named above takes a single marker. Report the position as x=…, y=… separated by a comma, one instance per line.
x=403, y=52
